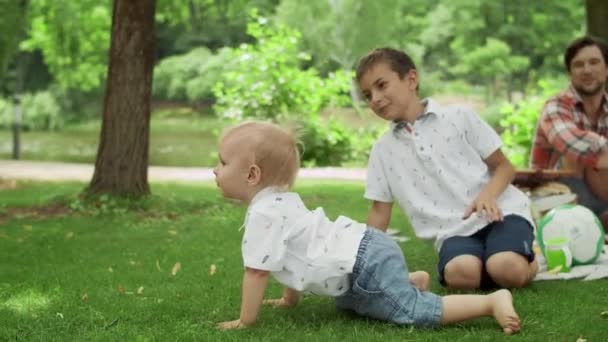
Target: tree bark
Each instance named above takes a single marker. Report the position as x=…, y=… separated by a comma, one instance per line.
x=121, y=167
x=597, y=18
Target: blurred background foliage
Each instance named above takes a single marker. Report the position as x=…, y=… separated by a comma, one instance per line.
x=284, y=60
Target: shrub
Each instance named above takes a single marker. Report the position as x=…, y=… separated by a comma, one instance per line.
x=40, y=111
x=519, y=122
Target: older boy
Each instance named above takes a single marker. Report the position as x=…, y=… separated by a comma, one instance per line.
x=442, y=165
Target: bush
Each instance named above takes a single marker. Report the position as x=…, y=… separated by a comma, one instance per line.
x=267, y=81
x=189, y=77
x=519, y=122
x=40, y=111
x=326, y=143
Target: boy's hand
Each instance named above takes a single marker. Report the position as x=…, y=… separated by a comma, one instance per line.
x=237, y=324
x=278, y=303
x=484, y=206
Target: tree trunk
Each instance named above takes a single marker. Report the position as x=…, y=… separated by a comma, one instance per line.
x=597, y=18
x=121, y=167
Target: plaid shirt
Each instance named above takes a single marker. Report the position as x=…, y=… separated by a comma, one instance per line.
x=565, y=130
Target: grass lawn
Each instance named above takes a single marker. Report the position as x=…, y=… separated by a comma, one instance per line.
x=104, y=273
x=176, y=141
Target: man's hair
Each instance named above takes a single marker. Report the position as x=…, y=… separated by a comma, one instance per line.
x=580, y=43
x=273, y=148
x=399, y=61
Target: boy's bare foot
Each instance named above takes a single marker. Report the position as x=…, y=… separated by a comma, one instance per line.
x=421, y=280
x=504, y=312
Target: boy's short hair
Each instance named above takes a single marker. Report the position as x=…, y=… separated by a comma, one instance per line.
x=274, y=150
x=576, y=45
x=399, y=61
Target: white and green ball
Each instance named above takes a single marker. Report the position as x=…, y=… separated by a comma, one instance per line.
x=577, y=224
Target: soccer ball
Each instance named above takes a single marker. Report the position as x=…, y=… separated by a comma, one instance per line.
x=577, y=224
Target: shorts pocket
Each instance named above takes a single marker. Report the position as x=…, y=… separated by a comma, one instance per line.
x=372, y=301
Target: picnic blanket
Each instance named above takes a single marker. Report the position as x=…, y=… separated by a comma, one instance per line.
x=597, y=270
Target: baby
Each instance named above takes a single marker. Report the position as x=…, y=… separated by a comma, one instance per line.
x=361, y=267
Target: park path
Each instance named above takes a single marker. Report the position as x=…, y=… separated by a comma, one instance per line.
x=53, y=171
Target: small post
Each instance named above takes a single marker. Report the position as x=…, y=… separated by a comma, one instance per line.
x=17, y=117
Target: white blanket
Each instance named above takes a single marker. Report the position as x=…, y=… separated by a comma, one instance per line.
x=597, y=270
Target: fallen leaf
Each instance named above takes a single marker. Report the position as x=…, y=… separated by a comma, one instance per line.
x=212, y=269
x=59, y=314
x=604, y=314
x=110, y=269
x=176, y=268
x=121, y=289
x=84, y=297
x=158, y=266
x=580, y=339
x=69, y=235
x=172, y=232
x=28, y=228
x=133, y=263
x=140, y=290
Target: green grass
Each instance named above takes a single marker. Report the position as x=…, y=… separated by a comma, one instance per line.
x=175, y=141
x=48, y=264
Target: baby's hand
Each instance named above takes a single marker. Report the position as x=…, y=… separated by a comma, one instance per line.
x=231, y=325
x=278, y=303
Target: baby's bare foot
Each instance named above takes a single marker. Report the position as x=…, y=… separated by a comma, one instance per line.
x=421, y=280
x=504, y=312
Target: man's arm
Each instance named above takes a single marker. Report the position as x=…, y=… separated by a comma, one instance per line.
x=379, y=215
x=602, y=161
x=576, y=144
x=502, y=174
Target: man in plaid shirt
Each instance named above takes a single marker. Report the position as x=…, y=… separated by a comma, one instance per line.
x=572, y=131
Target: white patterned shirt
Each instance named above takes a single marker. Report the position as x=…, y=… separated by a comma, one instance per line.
x=302, y=249
x=434, y=169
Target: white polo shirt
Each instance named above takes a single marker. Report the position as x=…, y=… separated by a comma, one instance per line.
x=434, y=169
x=303, y=249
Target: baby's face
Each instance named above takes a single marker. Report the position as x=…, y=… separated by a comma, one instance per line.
x=232, y=170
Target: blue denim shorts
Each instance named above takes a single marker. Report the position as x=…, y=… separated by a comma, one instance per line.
x=380, y=286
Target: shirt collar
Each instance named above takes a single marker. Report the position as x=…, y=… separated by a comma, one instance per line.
x=578, y=99
x=431, y=108
x=267, y=191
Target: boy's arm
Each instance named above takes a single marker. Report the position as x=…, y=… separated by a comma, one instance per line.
x=254, y=286
x=502, y=174
x=290, y=298
x=379, y=215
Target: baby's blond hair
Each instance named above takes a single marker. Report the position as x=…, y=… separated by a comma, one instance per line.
x=273, y=148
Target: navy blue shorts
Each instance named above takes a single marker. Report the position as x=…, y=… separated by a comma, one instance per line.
x=513, y=234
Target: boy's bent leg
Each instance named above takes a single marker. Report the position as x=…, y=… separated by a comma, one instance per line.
x=509, y=258
x=460, y=262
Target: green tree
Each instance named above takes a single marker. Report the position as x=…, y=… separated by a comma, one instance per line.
x=74, y=37
x=596, y=16
x=121, y=167
x=536, y=30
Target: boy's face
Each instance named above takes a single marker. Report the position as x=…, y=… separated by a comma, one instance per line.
x=389, y=96
x=233, y=170
x=588, y=71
